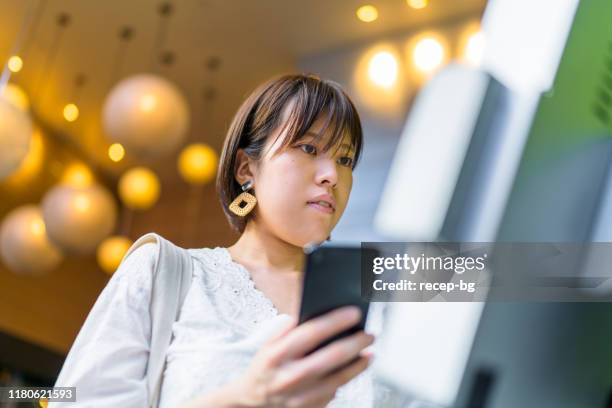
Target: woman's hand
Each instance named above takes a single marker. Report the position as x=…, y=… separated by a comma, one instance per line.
x=281, y=377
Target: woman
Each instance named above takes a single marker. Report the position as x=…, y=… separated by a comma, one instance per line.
x=290, y=152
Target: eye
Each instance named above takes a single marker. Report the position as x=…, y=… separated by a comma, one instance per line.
x=308, y=148
x=346, y=161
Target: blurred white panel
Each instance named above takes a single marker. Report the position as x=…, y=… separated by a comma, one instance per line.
x=525, y=40
x=511, y=133
x=430, y=154
x=426, y=346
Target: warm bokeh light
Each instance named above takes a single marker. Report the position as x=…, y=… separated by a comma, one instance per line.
x=77, y=175
x=116, y=152
x=111, y=252
x=15, y=63
x=71, y=112
x=428, y=54
x=30, y=166
x=473, y=49
x=382, y=69
x=367, y=13
x=417, y=4
x=24, y=245
x=16, y=96
x=78, y=219
x=147, y=114
x=139, y=188
x=380, y=82
x=16, y=129
x=81, y=202
x=148, y=103
x=37, y=227
x=197, y=163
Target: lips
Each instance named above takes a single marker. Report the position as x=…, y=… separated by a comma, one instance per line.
x=321, y=208
x=323, y=202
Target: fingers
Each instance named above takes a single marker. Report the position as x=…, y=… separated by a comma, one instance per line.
x=308, y=335
x=343, y=376
x=336, y=354
x=322, y=362
x=285, y=328
x=325, y=390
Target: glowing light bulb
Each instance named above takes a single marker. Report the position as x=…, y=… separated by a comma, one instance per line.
x=15, y=63
x=37, y=227
x=417, y=4
x=139, y=188
x=197, y=163
x=71, y=112
x=31, y=165
x=148, y=103
x=116, y=152
x=428, y=54
x=474, y=48
x=77, y=175
x=15, y=95
x=382, y=69
x=81, y=203
x=367, y=13
x=111, y=251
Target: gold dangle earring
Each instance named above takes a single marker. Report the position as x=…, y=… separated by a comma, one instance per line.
x=245, y=202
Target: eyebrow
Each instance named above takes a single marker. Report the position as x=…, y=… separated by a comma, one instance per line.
x=345, y=145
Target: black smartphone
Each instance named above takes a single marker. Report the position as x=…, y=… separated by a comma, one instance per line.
x=332, y=279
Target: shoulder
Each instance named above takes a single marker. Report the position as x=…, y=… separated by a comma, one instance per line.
x=140, y=260
x=210, y=257
x=143, y=253
x=133, y=279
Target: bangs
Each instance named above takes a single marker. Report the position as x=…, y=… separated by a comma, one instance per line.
x=327, y=102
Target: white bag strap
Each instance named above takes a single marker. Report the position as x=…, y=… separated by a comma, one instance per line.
x=172, y=278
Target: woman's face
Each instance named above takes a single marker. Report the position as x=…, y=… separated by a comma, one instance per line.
x=289, y=182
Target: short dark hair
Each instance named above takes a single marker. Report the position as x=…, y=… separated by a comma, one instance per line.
x=260, y=115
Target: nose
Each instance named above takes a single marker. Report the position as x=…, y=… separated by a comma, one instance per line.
x=327, y=173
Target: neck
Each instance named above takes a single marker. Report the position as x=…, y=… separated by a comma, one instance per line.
x=258, y=246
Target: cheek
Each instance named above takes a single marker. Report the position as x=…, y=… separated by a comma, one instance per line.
x=345, y=185
x=282, y=185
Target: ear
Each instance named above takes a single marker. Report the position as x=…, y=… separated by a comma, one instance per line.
x=245, y=167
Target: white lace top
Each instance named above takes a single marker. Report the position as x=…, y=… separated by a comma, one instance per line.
x=223, y=322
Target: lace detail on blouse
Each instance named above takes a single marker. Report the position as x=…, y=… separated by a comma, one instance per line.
x=233, y=282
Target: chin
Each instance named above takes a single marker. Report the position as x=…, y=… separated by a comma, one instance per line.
x=301, y=237
x=315, y=238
